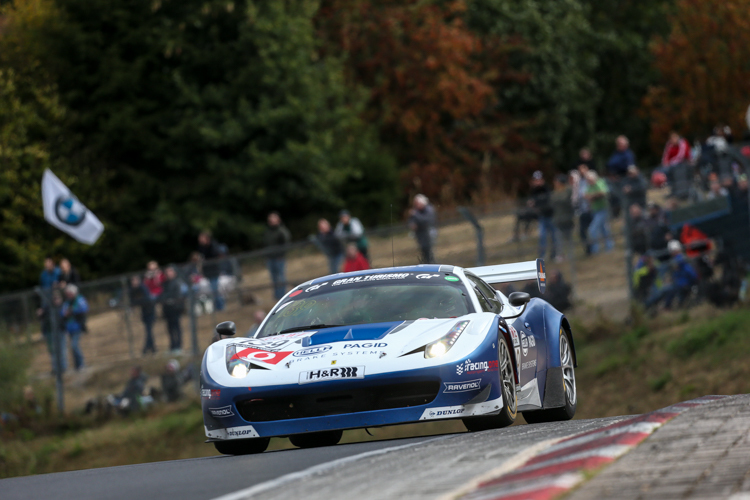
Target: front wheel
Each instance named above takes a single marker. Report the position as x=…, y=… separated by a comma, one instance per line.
x=316, y=439
x=568, y=411
x=242, y=446
x=508, y=413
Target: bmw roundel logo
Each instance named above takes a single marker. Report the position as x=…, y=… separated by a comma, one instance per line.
x=69, y=210
x=312, y=351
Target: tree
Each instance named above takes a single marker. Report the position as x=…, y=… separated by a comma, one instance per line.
x=430, y=93
x=548, y=41
x=190, y=115
x=703, y=63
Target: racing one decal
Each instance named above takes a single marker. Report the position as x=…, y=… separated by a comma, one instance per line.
x=541, y=276
x=468, y=367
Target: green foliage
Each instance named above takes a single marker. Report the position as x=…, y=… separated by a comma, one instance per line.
x=658, y=383
x=14, y=361
x=188, y=115
x=559, y=94
x=717, y=332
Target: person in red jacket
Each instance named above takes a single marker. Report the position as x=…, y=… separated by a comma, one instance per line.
x=676, y=151
x=154, y=279
x=354, y=261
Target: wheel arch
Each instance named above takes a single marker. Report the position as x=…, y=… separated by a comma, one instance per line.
x=565, y=325
x=502, y=328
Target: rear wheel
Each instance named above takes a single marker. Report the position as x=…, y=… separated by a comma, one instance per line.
x=568, y=411
x=316, y=439
x=242, y=446
x=508, y=413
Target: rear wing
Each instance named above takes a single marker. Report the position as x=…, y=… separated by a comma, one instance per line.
x=518, y=271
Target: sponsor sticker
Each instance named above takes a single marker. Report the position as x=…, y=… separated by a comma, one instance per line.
x=243, y=432
x=462, y=411
x=528, y=364
x=343, y=372
x=365, y=345
x=371, y=277
x=443, y=412
x=469, y=385
x=272, y=358
x=224, y=411
x=211, y=393
x=524, y=344
x=451, y=278
x=315, y=287
x=312, y=351
x=426, y=276
x=468, y=367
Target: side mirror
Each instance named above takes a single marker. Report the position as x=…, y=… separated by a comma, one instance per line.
x=227, y=328
x=517, y=299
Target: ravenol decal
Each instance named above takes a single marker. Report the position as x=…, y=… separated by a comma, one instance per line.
x=224, y=411
x=312, y=351
x=469, y=385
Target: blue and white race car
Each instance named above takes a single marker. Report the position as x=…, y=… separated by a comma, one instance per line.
x=390, y=346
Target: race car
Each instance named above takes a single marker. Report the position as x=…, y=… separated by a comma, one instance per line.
x=390, y=346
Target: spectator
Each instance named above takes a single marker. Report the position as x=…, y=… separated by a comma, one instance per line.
x=676, y=151
x=275, y=239
x=422, y=223
x=54, y=331
x=50, y=274
x=562, y=214
x=645, y=278
x=525, y=215
x=634, y=187
x=581, y=204
x=173, y=305
x=171, y=381
x=68, y=274
x=683, y=277
x=584, y=158
x=617, y=168
x=540, y=202
x=258, y=316
x=716, y=190
x=210, y=251
x=621, y=159
x=558, y=292
x=350, y=230
x=194, y=270
x=330, y=245
x=596, y=194
x=132, y=398
x=638, y=229
x=154, y=279
x=355, y=261
x=73, y=312
x=141, y=297
x=718, y=141
x=658, y=231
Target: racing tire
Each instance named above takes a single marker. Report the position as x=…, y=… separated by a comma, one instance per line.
x=568, y=411
x=509, y=411
x=242, y=446
x=316, y=439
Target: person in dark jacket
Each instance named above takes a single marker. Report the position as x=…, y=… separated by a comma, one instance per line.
x=211, y=253
x=52, y=330
x=639, y=231
x=558, y=292
x=563, y=214
x=68, y=274
x=330, y=245
x=131, y=398
x=275, y=239
x=50, y=275
x=634, y=187
x=171, y=381
x=173, y=305
x=540, y=201
x=422, y=223
x=73, y=313
x=617, y=168
x=350, y=230
x=141, y=297
x=658, y=231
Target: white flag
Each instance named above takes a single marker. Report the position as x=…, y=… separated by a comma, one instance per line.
x=63, y=210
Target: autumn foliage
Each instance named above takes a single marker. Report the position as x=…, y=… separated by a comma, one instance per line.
x=705, y=69
x=430, y=82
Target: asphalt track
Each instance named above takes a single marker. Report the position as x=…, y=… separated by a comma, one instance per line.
x=415, y=468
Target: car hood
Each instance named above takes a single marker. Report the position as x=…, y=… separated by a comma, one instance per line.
x=381, y=347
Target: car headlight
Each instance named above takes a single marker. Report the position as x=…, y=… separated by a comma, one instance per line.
x=443, y=344
x=236, y=366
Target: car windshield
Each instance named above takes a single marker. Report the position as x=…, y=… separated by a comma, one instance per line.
x=371, y=299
